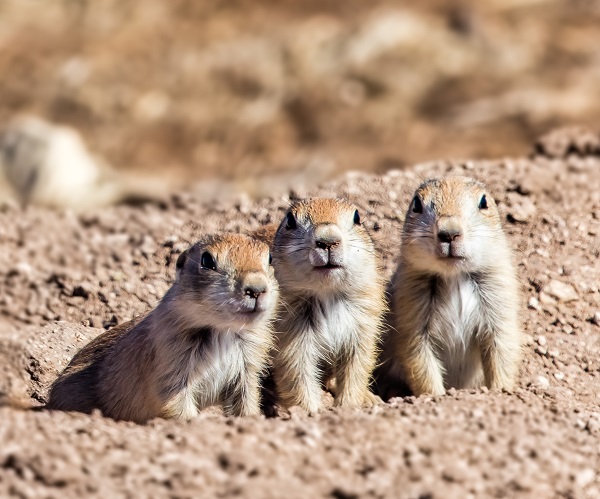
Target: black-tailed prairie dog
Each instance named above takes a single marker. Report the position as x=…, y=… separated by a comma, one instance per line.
x=206, y=343
x=332, y=297
x=455, y=298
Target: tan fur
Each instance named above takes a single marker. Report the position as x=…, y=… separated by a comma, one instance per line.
x=331, y=318
x=206, y=343
x=454, y=305
x=266, y=234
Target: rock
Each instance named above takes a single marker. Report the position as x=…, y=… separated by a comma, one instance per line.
x=148, y=246
x=522, y=209
x=541, y=382
x=546, y=299
x=561, y=291
x=534, y=303
x=596, y=318
x=568, y=140
x=81, y=291
x=585, y=477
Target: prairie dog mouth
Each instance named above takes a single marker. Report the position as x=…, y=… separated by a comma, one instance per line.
x=329, y=266
x=452, y=258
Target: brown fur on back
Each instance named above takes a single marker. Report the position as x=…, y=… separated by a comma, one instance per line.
x=72, y=390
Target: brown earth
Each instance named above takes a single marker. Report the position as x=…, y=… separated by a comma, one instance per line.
x=190, y=88
x=65, y=277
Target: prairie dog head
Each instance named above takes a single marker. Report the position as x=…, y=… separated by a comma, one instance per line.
x=226, y=282
x=321, y=246
x=452, y=225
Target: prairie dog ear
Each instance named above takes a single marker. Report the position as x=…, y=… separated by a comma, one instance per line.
x=180, y=263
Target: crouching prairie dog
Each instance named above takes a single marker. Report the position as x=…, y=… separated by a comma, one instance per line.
x=332, y=301
x=454, y=298
x=206, y=343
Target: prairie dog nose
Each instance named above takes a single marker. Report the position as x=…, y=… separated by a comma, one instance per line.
x=327, y=236
x=449, y=230
x=255, y=285
x=448, y=235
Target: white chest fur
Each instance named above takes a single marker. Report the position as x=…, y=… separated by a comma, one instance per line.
x=456, y=323
x=215, y=365
x=336, y=323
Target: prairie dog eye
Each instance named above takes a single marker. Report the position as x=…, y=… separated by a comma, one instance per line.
x=483, y=204
x=417, y=205
x=270, y=259
x=290, y=222
x=207, y=261
x=356, y=218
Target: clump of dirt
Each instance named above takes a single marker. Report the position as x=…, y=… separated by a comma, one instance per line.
x=64, y=278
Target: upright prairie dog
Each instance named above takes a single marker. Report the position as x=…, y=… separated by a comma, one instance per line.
x=454, y=304
x=332, y=298
x=206, y=343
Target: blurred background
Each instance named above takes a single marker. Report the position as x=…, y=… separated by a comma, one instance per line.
x=204, y=89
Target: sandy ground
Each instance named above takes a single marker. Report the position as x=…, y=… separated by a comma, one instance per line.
x=65, y=277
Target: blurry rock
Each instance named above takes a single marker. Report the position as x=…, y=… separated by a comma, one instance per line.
x=585, y=477
x=568, y=140
x=561, y=291
x=151, y=106
x=385, y=31
x=50, y=165
x=541, y=382
x=314, y=46
x=521, y=209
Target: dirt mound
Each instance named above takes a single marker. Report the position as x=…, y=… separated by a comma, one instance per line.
x=66, y=277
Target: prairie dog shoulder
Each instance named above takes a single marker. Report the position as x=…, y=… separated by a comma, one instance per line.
x=454, y=304
x=333, y=298
x=205, y=343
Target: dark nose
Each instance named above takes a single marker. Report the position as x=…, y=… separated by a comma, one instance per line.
x=447, y=236
x=326, y=243
x=254, y=291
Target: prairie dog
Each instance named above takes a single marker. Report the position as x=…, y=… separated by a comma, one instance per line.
x=332, y=297
x=50, y=165
x=454, y=299
x=206, y=343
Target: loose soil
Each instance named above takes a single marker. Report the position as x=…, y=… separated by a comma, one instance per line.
x=64, y=278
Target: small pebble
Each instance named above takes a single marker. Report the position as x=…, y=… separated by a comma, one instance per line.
x=561, y=291
x=541, y=381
